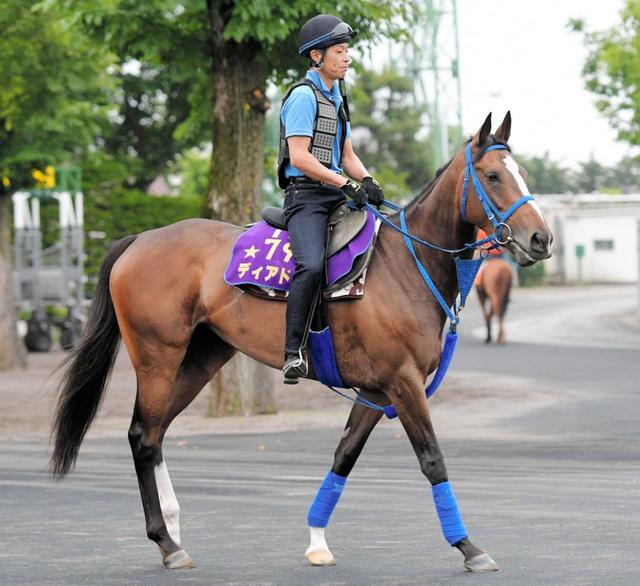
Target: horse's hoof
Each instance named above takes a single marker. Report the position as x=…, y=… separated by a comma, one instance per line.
x=178, y=560
x=481, y=563
x=320, y=557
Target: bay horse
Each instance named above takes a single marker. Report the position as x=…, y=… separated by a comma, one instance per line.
x=494, y=285
x=163, y=292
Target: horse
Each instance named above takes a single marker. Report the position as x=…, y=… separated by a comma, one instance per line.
x=163, y=293
x=494, y=284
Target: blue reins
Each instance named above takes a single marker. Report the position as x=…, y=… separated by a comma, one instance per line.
x=466, y=270
x=497, y=218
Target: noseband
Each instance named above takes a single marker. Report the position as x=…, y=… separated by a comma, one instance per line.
x=494, y=215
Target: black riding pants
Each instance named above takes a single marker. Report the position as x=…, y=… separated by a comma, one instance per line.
x=306, y=213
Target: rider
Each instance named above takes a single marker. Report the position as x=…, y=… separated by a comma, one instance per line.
x=315, y=147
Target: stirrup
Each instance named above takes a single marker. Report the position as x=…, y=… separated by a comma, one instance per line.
x=294, y=368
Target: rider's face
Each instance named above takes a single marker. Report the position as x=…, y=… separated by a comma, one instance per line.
x=336, y=61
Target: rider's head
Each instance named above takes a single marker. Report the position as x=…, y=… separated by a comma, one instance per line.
x=324, y=40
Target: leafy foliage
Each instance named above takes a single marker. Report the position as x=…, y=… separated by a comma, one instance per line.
x=532, y=276
x=386, y=124
x=548, y=176
x=54, y=96
x=612, y=70
x=165, y=105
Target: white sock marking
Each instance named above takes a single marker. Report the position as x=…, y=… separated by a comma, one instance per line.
x=317, y=541
x=168, y=501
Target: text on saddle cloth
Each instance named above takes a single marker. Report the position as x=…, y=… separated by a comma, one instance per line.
x=262, y=256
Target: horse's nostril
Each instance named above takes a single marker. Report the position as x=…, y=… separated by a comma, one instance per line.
x=539, y=241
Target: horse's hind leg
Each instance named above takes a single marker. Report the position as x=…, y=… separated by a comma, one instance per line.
x=482, y=297
x=361, y=422
x=168, y=380
x=501, y=305
x=502, y=340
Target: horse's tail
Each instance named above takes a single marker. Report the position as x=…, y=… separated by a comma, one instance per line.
x=88, y=369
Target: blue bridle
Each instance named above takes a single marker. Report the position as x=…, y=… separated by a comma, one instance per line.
x=494, y=215
x=466, y=270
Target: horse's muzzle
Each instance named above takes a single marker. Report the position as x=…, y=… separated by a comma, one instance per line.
x=538, y=247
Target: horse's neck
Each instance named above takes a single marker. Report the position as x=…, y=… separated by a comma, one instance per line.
x=436, y=219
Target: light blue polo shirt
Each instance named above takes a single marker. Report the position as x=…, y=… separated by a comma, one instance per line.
x=299, y=113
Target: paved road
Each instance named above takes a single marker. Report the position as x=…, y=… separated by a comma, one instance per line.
x=548, y=483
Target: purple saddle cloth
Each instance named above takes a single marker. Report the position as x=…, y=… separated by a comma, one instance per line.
x=262, y=256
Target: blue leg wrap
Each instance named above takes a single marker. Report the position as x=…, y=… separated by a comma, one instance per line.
x=453, y=528
x=326, y=500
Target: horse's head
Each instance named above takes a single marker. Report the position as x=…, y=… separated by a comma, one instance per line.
x=496, y=198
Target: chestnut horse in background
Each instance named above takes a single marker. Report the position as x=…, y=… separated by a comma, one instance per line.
x=164, y=293
x=494, y=285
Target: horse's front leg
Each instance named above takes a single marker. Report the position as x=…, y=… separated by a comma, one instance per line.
x=359, y=425
x=413, y=411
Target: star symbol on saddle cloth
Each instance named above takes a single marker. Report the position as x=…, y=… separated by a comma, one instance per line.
x=251, y=252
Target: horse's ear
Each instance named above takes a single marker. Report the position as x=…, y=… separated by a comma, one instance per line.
x=504, y=130
x=482, y=134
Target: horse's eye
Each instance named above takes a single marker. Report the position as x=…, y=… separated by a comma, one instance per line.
x=492, y=177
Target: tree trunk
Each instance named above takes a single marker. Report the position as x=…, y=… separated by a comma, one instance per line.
x=243, y=386
x=12, y=353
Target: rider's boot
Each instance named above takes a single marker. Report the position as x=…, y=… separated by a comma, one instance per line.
x=295, y=366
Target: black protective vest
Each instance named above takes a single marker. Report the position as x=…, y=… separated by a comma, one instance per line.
x=325, y=128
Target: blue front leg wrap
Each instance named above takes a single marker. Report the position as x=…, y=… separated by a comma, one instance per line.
x=326, y=500
x=453, y=528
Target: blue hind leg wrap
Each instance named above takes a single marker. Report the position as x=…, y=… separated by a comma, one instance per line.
x=453, y=527
x=326, y=500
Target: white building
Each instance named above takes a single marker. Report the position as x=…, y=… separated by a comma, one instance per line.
x=595, y=237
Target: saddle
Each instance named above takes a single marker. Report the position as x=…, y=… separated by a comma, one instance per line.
x=344, y=224
x=262, y=262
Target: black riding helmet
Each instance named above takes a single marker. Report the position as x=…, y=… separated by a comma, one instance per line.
x=322, y=31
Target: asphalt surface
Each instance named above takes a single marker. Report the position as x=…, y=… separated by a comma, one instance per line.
x=550, y=488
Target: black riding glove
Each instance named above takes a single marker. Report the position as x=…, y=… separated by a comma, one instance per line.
x=355, y=192
x=374, y=191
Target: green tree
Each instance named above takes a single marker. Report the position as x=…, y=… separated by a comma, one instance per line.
x=51, y=106
x=192, y=166
x=591, y=176
x=546, y=175
x=386, y=125
x=612, y=70
x=625, y=176
x=157, y=83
